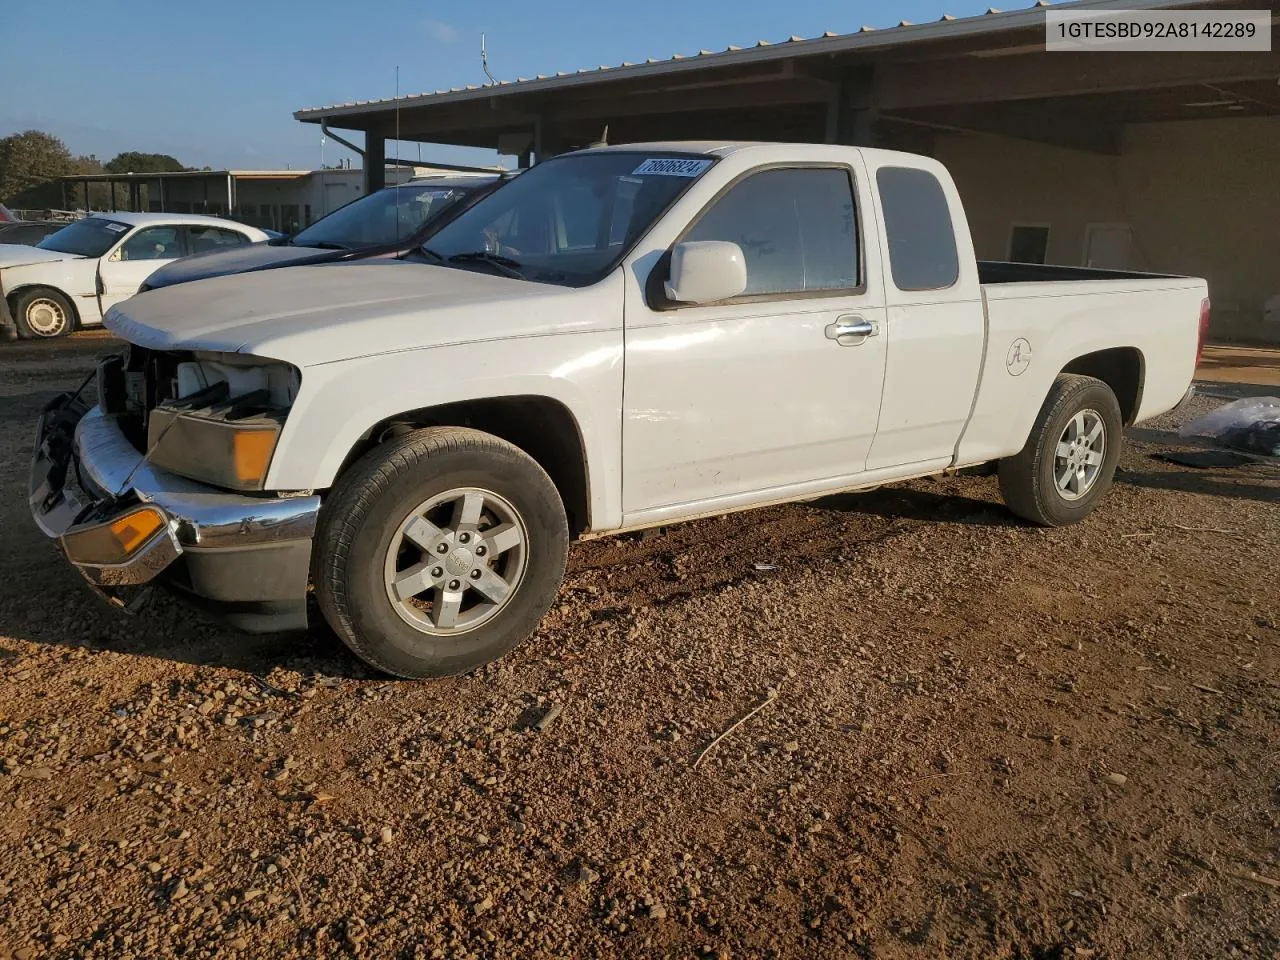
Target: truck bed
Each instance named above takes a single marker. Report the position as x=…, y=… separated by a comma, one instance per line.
x=1041, y=320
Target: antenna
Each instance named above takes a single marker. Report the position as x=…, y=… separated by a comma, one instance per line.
x=484, y=61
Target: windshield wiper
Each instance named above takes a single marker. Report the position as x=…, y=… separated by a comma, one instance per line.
x=328, y=245
x=432, y=254
x=504, y=265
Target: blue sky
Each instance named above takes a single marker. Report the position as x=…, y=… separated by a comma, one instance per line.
x=217, y=83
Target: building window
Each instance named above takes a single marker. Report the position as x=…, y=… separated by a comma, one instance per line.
x=1028, y=243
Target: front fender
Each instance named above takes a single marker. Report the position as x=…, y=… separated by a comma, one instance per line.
x=340, y=402
x=73, y=278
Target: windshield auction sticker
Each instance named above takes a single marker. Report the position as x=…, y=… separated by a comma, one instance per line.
x=671, y=167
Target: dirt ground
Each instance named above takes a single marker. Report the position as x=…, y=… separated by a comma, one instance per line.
x=1236, y=364
x=971, y=738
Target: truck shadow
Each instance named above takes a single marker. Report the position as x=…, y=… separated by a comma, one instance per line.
x=911, y=503
x=47, y=604
x=1236, y=486
x=1231, y=390
x=1252, y=478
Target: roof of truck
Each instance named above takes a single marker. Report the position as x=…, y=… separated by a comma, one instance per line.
x=720, y=147
x=725, y=148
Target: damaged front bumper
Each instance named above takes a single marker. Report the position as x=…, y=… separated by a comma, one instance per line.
x=245, y=558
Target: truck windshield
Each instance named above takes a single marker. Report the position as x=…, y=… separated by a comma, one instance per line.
x=90, y=237
x=388, y=215
x=568, y=220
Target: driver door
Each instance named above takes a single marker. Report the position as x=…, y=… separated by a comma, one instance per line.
x=139, y=255
x=765, y=395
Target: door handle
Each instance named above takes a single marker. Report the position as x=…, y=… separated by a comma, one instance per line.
x=851, y=331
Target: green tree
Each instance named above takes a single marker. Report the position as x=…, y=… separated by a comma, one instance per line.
x=99, y=193
x=29, y=160
x=133, y=162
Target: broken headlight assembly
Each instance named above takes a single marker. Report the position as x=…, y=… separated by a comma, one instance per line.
x=223, y=424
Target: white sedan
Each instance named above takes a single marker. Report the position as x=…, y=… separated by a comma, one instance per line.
x=72, y=277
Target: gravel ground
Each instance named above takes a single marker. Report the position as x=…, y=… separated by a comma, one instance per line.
x=970, y=738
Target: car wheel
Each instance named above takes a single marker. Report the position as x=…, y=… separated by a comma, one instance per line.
x=439, y=551
x=43, y=314
x=1070, y=458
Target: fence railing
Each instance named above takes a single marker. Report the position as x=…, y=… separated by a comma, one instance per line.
x=47, y=214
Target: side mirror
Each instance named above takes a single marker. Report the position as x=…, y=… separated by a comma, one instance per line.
x=706, y=271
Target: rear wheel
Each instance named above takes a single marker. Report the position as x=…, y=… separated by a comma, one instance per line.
x=440, y=551
x=43, y=313
x=1070, y=458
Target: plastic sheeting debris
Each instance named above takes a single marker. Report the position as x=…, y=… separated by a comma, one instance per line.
x=1251, y=424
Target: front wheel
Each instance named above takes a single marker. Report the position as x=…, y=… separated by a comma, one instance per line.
x=43, y=314
x=439, y=551
x=1070, y=458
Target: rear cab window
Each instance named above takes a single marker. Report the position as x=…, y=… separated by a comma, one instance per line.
x=919, y=229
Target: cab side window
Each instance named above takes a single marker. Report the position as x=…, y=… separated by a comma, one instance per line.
x=917, y=224
x=153, y=243
x=796, y=228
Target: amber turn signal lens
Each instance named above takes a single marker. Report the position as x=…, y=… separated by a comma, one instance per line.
x=116, y=540
x=232, y=454
x=251, y=451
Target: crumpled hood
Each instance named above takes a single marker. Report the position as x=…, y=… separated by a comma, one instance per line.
x=308, y=315
x=19, y=255
x=222, y=263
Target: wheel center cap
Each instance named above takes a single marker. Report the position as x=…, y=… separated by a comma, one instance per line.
x=459, y=561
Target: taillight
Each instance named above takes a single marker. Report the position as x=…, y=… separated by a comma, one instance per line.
x=1204, y=329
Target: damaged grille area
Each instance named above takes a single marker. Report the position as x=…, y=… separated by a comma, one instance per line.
x=134, y=382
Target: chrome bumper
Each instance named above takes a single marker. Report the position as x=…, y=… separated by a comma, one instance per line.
x=85, y=472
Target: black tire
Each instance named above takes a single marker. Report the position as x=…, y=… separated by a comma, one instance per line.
x=30, y=301
x=369, y=507
x=1028, y=482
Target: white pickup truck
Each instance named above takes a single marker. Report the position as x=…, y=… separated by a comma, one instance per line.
x=623, y=337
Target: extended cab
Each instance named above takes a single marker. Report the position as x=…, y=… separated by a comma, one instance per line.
x=622, y=337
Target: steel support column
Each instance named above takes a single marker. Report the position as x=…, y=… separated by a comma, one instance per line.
x=375, y=162
x=852, y=111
